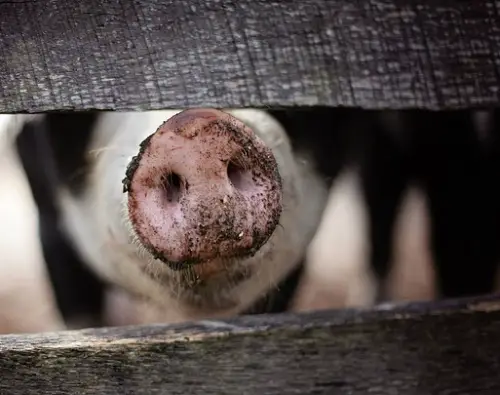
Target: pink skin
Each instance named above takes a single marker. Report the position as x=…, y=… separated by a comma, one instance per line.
x=203, y=188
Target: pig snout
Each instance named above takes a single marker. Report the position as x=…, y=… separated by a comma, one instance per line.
x=203, y=188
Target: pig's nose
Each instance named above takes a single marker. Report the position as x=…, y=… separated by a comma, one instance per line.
x=203, y=187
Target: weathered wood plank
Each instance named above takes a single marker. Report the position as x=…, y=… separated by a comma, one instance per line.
x=149, y=54
x=449, y=348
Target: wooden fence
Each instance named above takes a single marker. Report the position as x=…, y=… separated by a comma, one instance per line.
x=373, y=54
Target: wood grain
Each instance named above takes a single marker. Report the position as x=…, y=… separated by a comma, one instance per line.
x=151, y=54
x=451, y=347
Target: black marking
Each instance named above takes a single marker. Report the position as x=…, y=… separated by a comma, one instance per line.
x=384, y=173
x=78, y=292
x=69, y=136
x=322, y=132
x=462, y=186
x=444, y=156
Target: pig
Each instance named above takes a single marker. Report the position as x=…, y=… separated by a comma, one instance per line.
x=79, y=294
x=177, y=215
x=384, y=234
x=414, y=212
x=27, y=302
x=453, y=162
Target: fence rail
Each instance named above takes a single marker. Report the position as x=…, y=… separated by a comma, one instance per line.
x=150, y=54
x=420, y=348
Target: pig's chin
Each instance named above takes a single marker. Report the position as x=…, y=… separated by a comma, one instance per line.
x=211, y=273
x=209, y=286
x=213, y=285
x=215, y=273
x=207, y=268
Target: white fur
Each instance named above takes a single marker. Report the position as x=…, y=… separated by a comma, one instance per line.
x=101, y=229
x=26, y=300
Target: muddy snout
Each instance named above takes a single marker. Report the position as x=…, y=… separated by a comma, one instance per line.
x=202, y=188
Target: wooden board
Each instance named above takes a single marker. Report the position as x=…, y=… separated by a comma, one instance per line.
x=449, y=348
x=150, y=54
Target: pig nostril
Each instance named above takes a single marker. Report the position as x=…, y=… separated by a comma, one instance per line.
x=172, y=185
x=238, y=176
